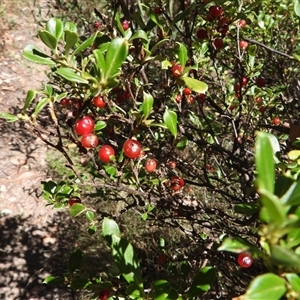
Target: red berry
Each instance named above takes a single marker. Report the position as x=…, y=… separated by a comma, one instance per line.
x=99, y=102
x=258, y=100
x=85, y=125
x=74, y=200
x=178, y=98
x=132, y=148
x=162, y=259
x=244, y=81
x=104, y=294
x=190, y=99
x=262, y=109
x=224, y=29
x=237, y=87
x=176, y=70
x=243, y=44
x=172, y=164
x=244, y=260
x=89, y=140
x=260, y=82
x=187, y=91
x=232, y=107
x=176, y=183
x=106, y=153
x=216, y=11
x=276, y=121
x=223, y=21
x=157, y=10
x=201, y=34
x=125, y=25
x=242, y=23
x=64, y=102
x=218, y=43
x=150, y=165
x=97, y=24
x=201, y=97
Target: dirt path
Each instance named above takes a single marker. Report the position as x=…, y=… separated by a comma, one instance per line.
x=32, y=242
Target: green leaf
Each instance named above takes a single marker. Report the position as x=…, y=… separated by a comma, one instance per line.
x=110, y=170
x=235, y=245
x=76, y=209
x=70, y=75
x=75, y=260
x=110, y=227
x=285, y=257
x=48, y=39
x=55, y=27
x=88, y=42
x=100, y=125
x=294, y=281
x=264, y=162
x=80, y=283
x=181, y=145
x=170, y=119
x=160, y=290
x=90, y=215
x=274, y=207
x=267, y=286
x=292, y=195
x=53, y=280
x=153, y=49
x=182, y=54
x=297, y=7
x=115, y=56
x=100, y=60
x=133, y=291
x=183, y=14
x=246, y=208
x=202, y=282
x=140, y=34
x=70, y=26
x=138, y=19
x=147, y=105
x=195, y=85
x=155, y=20
x=71, y=38
x=8, y=117
x=42, y=103
x=293, y=237
x=29, y=98
x=34, y=54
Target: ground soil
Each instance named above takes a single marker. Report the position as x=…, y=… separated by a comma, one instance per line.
x=32, y=242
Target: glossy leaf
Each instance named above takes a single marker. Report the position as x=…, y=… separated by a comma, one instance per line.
x=115, y=56
x=147, y=105
x=195, y=84
x=235, y=245
x=48, y=39
x=170, y=119
x=182, y=54
x=80, y=283
x=70, y=75
x=202, y=282
x=71, y=38
x=90, y=215
x=246, y=208
x=110, y=227
x=88, y=42
x=76, y=209
x=160, y=290
x=293, y=237
x=285, y=257
x=8, y=117
x=297, y=7
x=75, y=260
x=55, y=27
x=181, y=145
x=267, y=286
x=54, y=280
x=100, y=125
x=140, y=34
x=264, y=162
x=100, y=60
x=34, y=54
x=41, y=104
x=292, y=195
x=70, y=26
x=294, y=281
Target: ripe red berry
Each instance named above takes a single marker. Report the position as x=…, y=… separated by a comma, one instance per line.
x=190, y=99
x=223, y=21
x=150, y=165
x=187, y=91
x=162, y=259
x=242, y=23
x=99, y=102
x=106, y=153
x=218, y=43
x=276, y=121
x=176, y=183
x=216, y=11
x=201, y=34
x=89, y=140
x=85, y=125
x=243, y=44
x=201, y=97
x=224, y=29
x=178, y=98
x=244, y=81
x=97, y=24
x=262, y=109
x=64, y=102
x=260, y=82
x=176, y=70
x=172, y=164
x=244, y=260
x=132, y=148
x=157, y=10
x=237, y=87
x=104, y=294
x=258, y=100
x=74, y=200
x=125, y=25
